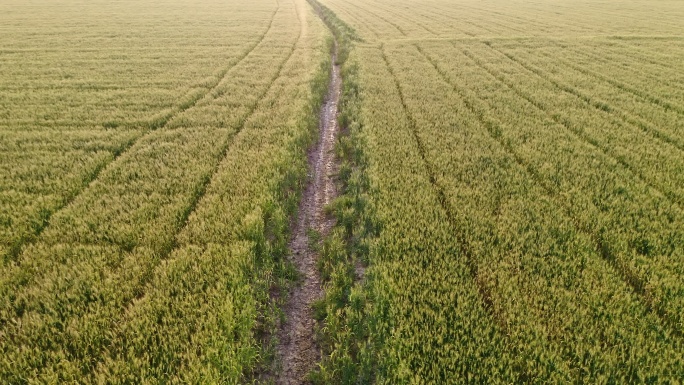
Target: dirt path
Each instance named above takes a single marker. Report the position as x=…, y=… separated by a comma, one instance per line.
x=297, y=351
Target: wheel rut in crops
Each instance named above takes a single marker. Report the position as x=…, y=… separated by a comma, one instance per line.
x=297, y=351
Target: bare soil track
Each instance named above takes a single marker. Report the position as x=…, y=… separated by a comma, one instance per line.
x=297, y=352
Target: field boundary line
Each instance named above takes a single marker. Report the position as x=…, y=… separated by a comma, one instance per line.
x=623, y=270
x=16, y=249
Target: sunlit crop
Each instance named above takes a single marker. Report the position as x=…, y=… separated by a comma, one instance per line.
x=524, y=169
x=162, y=156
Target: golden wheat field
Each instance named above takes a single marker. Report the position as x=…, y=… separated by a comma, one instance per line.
x=509, y=191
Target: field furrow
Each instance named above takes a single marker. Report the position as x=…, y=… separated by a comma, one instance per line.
x=375, y=16
x=582, y=135
x=499, y=122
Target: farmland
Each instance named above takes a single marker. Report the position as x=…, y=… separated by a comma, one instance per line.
x=145, y=161
x=511, y=179
x=521, y=171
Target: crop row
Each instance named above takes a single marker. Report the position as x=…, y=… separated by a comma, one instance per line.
x=607, y=57
x=633, y=221
x=559, y=300
x=388, y=20
x=501, y=238
x=525, y=207
x=40, y=172
x=128, y=263
x=66, y=113
x=425, y=309
x=416, y=308
x=657, y=116
x=61, y=66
